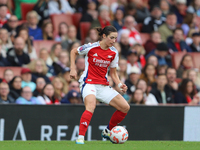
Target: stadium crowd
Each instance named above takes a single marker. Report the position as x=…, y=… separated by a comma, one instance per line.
x=150, y=34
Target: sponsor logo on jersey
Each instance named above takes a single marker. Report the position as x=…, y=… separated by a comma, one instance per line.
x=95, y=54
x=81, y=48
x=101, y=61
x=109, y=56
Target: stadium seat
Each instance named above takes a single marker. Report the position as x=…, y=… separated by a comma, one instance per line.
x=58, y=18
x=196, y=59
x=84, y=29
x=145, y=37
x=76, y=17
x=25, y=8
x=38, y=44
x=16, y=70
x=176, y=58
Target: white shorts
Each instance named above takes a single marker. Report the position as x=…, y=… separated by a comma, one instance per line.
x=103, y=93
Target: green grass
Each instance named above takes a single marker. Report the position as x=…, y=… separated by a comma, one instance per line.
x=98, y=145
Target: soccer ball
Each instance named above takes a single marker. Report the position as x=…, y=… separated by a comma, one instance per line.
x=118, y=135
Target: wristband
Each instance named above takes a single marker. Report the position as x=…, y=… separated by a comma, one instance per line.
x=119, y=85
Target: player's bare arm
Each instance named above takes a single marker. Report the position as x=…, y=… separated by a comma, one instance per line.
x=73, y=54
x=115, y=77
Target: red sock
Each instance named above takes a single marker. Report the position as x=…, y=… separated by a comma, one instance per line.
x=84, y=122
x=116, y=118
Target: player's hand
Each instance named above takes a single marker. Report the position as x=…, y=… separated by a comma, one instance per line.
x=73, y=74
x=123, y=88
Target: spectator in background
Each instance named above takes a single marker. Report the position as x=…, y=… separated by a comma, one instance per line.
x=195, y=46
x=153, y=22
x=137, y=97
x=166, y=30
x=60, y=87
x=162, y=91
x=151, y=44
x=165, y=7
x=44, y=55
x=186, y=93
x=189, y=22
x=11, y=26
x=133, y=78
x=17, y=4
x=134, y=35
x=8, y=75
x=148, y=74
x=62, y=63
x=176, y=42
x=65, y=75
x=180, y=10
x=153, y=60
x=91, y=14
x=185, y=64
x=171, y=79
x=29, y=49
x=47, y=30
x=15, y=87
x=161, y=52
x=80, y=64
x=103, y=19
x=161, y=69
x=48, y=95
x=73, y=97
x=74, y=85
x=5, y=98
x=140, y=52
x=55, y=51
x=124, y=43
x=27, y=97
x=192, y=74
x=194, y=7
x=132, y=59
x=3, y=60
x=26, y=79
x=141, y=11
x=62, y=32
x=92, y=36
x=16, y=56
x=6, y=42
x=118, y=21
x=41, y=7
x=3, y=14
x=40, y=83
x=38, y=69
x=122, y=70
x=35, y=32
x=72, y=32
x=149, y=98
x=59, y=7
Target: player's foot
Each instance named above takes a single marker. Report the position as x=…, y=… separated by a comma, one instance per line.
x=80, y=141
x=106, y=133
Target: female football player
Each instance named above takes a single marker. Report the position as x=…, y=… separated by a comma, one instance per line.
x=93, y=82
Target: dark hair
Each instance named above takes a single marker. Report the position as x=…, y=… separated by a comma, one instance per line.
x=169, y=68
x=12, y=81
x=107, y=30
x=178, y=29
x=1, y=5
x=132, y=100
x=145, y=68
x=183, y=87
x=51, y=98
x=170, y=14
x=59, y=33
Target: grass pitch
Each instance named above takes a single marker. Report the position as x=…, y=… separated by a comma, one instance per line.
x=98, y=145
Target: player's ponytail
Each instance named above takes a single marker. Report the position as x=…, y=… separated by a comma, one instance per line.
x=107, y=30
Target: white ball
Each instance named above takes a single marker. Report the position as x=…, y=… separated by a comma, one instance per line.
x=118, y=135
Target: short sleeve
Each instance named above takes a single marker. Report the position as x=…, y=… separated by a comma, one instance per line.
x=114, y=63
x=84, y=49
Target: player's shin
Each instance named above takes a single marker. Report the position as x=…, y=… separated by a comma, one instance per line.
x=116, y=118
x=84, y=123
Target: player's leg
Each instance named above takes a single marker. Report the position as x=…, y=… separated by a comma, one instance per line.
x=89, y=97
x=122, y=107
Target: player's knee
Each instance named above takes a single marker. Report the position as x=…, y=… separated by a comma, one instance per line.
x=125, y=108
x=91, y=107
